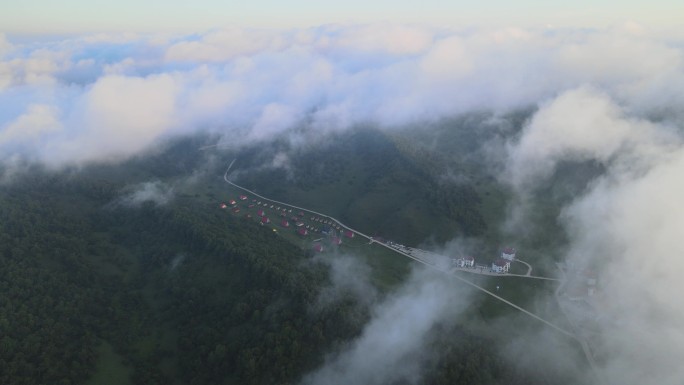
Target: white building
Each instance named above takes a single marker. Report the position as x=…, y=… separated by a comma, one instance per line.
x=508, y=253
x=463, y=261
x=501, y=266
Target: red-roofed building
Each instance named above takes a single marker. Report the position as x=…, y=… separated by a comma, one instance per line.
x=336, y=240
x=223, y=205
x=232, y=202
x=299, y=224
x=261, y=213
x=236, y=210
x=285, y=223
x=349, y=234
x=508, y=253
x=464, y=261
x=501, y=265
x=265, y=220
x=243, y=197
x=318, y=248
x=302, y=231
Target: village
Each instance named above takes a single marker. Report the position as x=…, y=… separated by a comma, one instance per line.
x=576, y=294
x=322, y=232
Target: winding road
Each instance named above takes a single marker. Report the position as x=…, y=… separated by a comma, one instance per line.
x=426, y=263
x=529, y=267
x=454, y=273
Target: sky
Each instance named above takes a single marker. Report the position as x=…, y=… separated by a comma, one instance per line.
x=79, y=16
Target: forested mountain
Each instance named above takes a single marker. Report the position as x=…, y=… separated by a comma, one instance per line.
x=100, y=289
x=370, y=182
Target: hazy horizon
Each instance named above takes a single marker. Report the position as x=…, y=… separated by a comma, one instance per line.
x=41, y=17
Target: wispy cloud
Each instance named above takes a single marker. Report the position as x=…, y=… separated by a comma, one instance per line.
x=392, y=346
x=156, y=192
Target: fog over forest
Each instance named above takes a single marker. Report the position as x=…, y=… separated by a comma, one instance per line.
x=610, y=97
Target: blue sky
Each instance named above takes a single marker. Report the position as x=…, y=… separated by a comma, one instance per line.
x=77, y=16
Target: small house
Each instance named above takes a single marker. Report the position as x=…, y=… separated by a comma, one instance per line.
x=265, y=220
x=302, y=231
x=467, y=261
x=317, y=247
x=349, y=234
x=501, y=266
x=508, y=253
x=261, y=213
x=285, y=223
x=243, y=197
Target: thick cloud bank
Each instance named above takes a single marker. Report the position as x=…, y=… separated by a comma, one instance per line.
x=626, y=228
x=105, y=98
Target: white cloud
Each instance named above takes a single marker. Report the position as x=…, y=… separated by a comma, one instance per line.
x=223, y=45
x=391, y=347
x=626, y=227
x=155, y=192
x=119, y=117
x=448, y=60
x=348, y=276
x=582, y=124
x=38, y=120
x=253, y=84
x=631, y=227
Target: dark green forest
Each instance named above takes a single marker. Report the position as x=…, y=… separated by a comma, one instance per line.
x=370, y=182
x=187, y=294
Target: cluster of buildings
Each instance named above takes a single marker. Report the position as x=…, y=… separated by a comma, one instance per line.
x=503, y=263
x=500, y=265
x=328, y=227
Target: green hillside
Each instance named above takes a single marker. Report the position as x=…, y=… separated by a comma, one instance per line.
x=99, y=290
x=367, y=181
